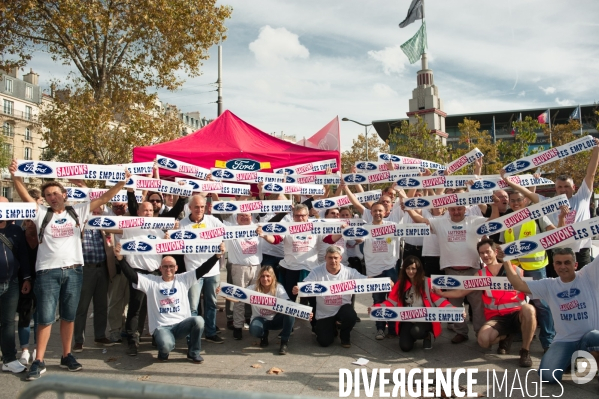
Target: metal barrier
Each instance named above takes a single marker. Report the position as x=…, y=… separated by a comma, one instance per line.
x=104, y=389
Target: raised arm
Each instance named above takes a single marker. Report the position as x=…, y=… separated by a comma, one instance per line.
x=107, y=196
x=129, y=273
x=352, y=198
x=513, y=277
x=533, y=197
x=207, y=266
x=592, y=167
x=19, y=185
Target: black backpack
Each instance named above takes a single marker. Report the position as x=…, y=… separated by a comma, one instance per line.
x=50, y=214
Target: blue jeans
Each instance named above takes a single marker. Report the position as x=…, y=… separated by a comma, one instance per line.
x=260, y=326
x=379, y=297
x=557, y=358
x=166, y=336
x=209, y=284
x=57, y=287
x=9, y=298
x=25, y=332
x=544, y=317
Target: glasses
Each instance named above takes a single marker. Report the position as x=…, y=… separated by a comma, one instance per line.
x=155, y=200
x=516, y=199
x=169, y=266
x=118, y=206
x=300, y=216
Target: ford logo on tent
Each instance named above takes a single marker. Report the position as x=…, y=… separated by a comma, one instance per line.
x=407, y=182
x=446, y=281
x=356, y=232
x=225, y=207
x=483, y=185
x=520, y=248
x=324, y=204
x=33, y=169
x=274, y=187
x=313, y=288
x=366, y=166
x=489, y=228
x=234, y=292
x=569, y=294
x=243, y=164
x=141, y=246
x=223, y=174
x=416, y=203
x=168, y=291
x=101, y=222
x=384, y=313
x=167, y=163
x=184, y=235
x=517, y=166
x=354, y=178
x=76, y=193
x=274, y=228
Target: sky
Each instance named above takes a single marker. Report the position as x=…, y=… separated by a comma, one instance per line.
x=292, y=66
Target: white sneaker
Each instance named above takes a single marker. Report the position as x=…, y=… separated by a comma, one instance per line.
x=380, y=334
x=25, y=357
x=14, y=367
x=246, y=326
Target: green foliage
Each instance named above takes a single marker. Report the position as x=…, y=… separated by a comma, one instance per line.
x=416, y=141
x=526, y=133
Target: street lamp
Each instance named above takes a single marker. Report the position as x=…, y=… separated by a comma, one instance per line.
x=365, y=132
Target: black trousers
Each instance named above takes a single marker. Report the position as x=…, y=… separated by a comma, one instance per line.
x=431, y=265
x=326, y=329
x=412, y=250
x=137, y=311
x=409, y=333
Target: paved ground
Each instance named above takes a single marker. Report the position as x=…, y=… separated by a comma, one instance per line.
x=309, y=370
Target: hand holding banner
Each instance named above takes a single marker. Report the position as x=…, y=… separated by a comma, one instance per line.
x=462, y=161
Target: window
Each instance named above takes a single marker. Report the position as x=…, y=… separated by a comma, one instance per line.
x=8, y=129
x=9, y=106
x=28, y=112
x=29, y=92
x=8, y=85
x=28, y=135
x=7, y=193
x=28, y=153
x=7, y=148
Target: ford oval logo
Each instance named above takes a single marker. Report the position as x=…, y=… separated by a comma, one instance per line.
x=137, y=247
x=167, y=163
x=193, y=184
x=417, y=203
x=520, y=248
x=31, y=168
x=101, y=222
x=168, y=291
x=234, y=292
x=390, y=157
x=489, y=228
x=457, y=227
x=286, y=170
x=407, y=182
x=313, y=288
x=355, y=232
x=446, y=281
x=277, y=188
x=184, y=235
x=483, y=185
x=366, y=166
x=274, y=228
x=517, y=166
x=223, y=174
x=289, y=179
x=384, y=313
x=569, y=294
x=243, y=164
x=225, y=207
x=60, y=221
x=324, y=204
x=354, y=178
x=76, y=193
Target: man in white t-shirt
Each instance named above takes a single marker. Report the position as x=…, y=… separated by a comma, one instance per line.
x=333, y=308
x=169, y=315
x=574, y=304
x=59, y=273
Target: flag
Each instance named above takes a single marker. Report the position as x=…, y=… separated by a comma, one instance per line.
x=327, y=138
x=576, y=113
x=544, y=117
x=414, y=47
x=414, y=12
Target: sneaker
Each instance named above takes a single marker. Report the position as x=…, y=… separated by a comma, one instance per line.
x=104, y=342
x=70, y=363
x=459, y=338
x=132, y=350
x=505, y=345
x=38, y=367
x=292, y=328
x=161, y=358
x=215, y=339
x=246, y=326
x=282, y=349
x=428, y=341
x=380, y=334
x=525, y=360
x=78, y=348
x=347, y=344
x=237, y=334
x=14, y=367
x=24, y=357
x=264, y=341
x=195, y=359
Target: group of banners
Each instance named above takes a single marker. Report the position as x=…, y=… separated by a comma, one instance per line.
x=473, y=283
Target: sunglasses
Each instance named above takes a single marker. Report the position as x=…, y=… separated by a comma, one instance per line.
x=155, y=200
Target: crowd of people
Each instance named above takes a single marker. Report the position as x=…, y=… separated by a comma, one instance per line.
x=54, y=268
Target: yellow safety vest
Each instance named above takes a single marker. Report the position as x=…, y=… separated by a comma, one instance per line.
x=535, y=261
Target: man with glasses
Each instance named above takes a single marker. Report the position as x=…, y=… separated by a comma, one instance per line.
x=572, y=298
x=157, y=201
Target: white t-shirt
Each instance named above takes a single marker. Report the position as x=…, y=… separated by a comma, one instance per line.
x=574, y=305
x=327, y=306
x=457, y=241
x=61, y=243
x=353, y=249
x=194, y=261
x=301, y=252
x=430, y=244
x=245, y=251
x=380, y=254
x=322, y=250
x=579, y=211
x=143, y=262
x=168, y=302
x=396, y=214
x=272, y=249
x=268, y=314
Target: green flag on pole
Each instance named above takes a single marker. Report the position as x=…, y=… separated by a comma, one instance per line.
x=414, y=47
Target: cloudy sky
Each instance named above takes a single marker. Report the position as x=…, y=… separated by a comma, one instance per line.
x=292, y=66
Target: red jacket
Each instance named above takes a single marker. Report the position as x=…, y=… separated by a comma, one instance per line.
x=396, y=300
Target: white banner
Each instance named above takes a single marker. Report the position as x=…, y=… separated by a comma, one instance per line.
x=84, y=194
x=223, y=233
x=383, y=166
x=251, y=206
x=360, y=286
x=139, y=168
x=161, y=186
x=128, y=222
x=247, y=177
x=162, y=246
x=300, y=228
x=69, y=170
x=265, y=301
x=313, y=179
x=531, y=212
x=478, y=283
x=495, y=182
x=203, y=186
x=306, y=168
x=553, y=238
x=337, y=202
x=17, y=210
x=434, y=181
x=182, y=167
x=387, y=230
x=377, y=177
x=462, y=161
x=409, y=161
x=550, y=155
x=286, y=188
x=443, y=315
x=459, y=199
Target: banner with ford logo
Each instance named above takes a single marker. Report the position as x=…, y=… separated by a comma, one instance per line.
x=383, y=166
x=551, y=155
x=166, y=246
x=305, y=168
x=128, y=222
x=17, y=210
x=409, y=161
x=553, y=238
x=68, y=170
x=273, y=206
x=388, y=230
x=377, y=177
x=418, y=314
x=531, y=212
x=462, y=161
x=182, y=167
x=357, y=286
x=202, y=186
x=473, y=283
x=313, y=179
x=343, y=200
x=138, y=168
x=435, y=181
x=161, y=186
x=244, y=176
x=440, y=201
x=300, y=189
x=495, y=182
x=84, y=194
x=330, y=226
x=223, y=233
x=265, y=301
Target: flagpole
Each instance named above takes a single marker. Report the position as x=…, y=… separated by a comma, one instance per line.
x=550, y=133
x=580, y=118
x=494, y=131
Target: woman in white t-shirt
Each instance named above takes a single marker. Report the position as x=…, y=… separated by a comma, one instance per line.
x=264, y=320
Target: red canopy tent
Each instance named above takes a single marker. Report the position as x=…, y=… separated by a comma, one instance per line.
x=226, y=138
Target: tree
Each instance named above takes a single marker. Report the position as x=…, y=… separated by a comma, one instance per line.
x=470, y=137
x=510, y=151
x=358, y=151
